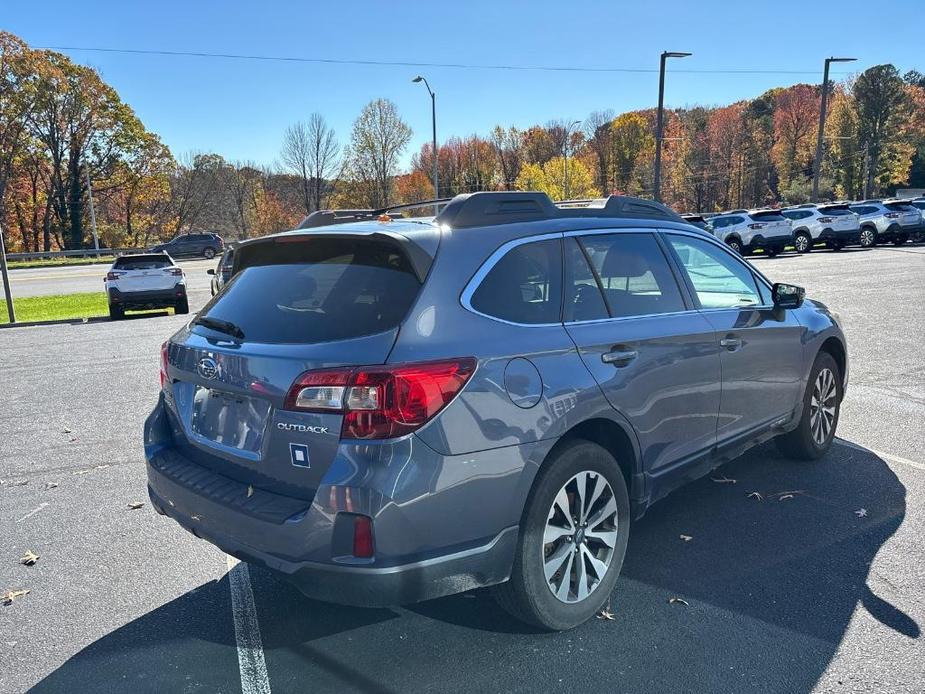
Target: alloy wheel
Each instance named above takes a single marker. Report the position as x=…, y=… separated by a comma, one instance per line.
x=580, y=537
x=822, y=406
x=801, y=243
x=867, y=238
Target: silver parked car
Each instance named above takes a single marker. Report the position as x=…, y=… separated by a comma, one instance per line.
x=748, y=230
x=833, y=224
x=919, y=204
x=386, y=411
x=883, y=221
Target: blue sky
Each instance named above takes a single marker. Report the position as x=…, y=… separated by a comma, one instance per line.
x=241, y=108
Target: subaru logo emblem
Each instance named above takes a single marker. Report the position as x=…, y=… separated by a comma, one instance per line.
x=207, y=367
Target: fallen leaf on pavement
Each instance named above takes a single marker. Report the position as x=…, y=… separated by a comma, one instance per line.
x=687, y=538
x=679, y=601
x=250, y=491
x=723, y=480
x=50, y=485
x=9, y=596
x=606, y=612
x=861, y=512
x=135, y=504
x=91, y=469
x=29, y=558
x=67, y=430
x=755, y=495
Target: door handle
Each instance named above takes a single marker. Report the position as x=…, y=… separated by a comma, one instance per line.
x=619, y=357
x=731, y=343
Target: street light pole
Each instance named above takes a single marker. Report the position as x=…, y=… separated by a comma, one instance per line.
x=568, y=134
x=433, y=120
x=657, y=186
x=817, y=162
x=96, y=238
x=6, y=279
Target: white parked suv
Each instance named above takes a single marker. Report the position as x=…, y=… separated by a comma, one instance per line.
x=145, y=281
x=887, y=220
x=832, y=224
x=747, y=230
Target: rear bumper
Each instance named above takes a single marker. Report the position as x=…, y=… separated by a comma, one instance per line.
x=430, y=540
x=148, y=299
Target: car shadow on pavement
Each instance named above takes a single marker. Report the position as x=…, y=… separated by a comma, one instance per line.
x=775, y=567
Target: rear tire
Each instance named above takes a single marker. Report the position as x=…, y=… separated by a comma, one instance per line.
x=182, y=307
x=116, y=312
x=578, y=503
x=900, y=240
x=208, y=253
x=802, y=242
x=868, y=237
x=821, y=406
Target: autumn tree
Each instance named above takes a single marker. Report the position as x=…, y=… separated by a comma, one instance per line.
x=795, y=118
x=882, y=105
x=632, y=140
x=378, y=138
x=550, y=179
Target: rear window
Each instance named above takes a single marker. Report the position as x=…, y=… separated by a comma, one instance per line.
x=796, y=214
x=767, y=216
x=862, y=209
x=835, y=210
x=897, y=206
x=317, y=291
x=142, y=262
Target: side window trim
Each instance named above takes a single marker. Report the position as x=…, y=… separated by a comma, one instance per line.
x=465, y=298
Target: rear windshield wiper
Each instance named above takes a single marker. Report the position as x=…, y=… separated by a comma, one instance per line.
x=222, y=326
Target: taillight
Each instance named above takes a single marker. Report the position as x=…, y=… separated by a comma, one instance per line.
x=381, y=402
x=113, y=275
x=891, y=215
x=825, y=220
x=175, y=271
x=163, y=364
x=756, y=225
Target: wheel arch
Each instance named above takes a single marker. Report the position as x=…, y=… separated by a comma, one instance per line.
x=833, y=346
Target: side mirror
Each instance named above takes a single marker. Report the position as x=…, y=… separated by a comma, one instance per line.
x=787, y=295
x=210, y=271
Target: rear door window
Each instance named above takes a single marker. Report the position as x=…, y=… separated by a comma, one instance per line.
x=633, y=273
x=318, y=291
x=768, y=216
x=524, y=286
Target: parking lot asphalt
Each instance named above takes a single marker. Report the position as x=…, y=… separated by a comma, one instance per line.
x=44, y=281
x=816, y=586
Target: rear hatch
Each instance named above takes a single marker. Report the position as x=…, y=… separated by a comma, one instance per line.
x=770, y=224
x=295, y=303
x=841, y=218
x=907, y=214
x=144, y=273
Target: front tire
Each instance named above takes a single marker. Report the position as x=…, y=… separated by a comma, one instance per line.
x=802, y=242
x=572, y=542
x=208, y=253
x=868, y=238
x=821, y=406
x=735, y=245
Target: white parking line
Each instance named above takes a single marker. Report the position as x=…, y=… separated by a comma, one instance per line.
x=33, y=512
x=881, y=454
x=253, y=667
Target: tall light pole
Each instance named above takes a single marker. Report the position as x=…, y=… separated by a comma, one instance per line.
x=657, y=186
x=433, y=119
x=817, y=163
x=96, y=238
x=568, y=135
x=6, y=279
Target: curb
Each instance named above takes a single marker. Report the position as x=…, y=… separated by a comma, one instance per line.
x=58, y=321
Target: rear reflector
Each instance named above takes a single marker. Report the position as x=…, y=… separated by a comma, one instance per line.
x=381, y=402
x=363, y=537
x=163, y=374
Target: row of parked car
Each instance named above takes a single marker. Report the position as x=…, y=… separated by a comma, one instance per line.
x=834, y=224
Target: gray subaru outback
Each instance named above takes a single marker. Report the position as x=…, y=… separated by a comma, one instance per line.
x=390, y=410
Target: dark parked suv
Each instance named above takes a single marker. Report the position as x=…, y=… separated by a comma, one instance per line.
x=389, y=411
x=204, y=245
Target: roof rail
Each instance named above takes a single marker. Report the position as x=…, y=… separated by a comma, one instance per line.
x=507, y=207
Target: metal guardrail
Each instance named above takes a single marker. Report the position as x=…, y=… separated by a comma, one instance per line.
x=83, y=253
